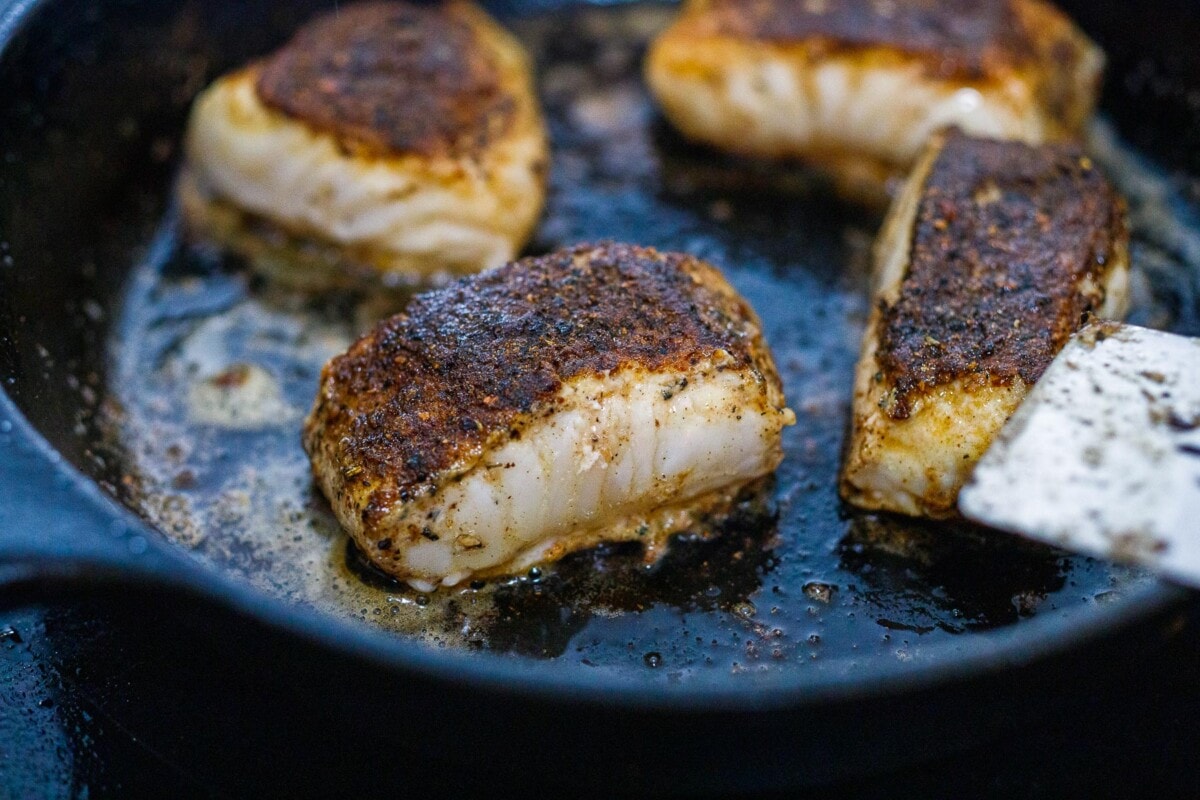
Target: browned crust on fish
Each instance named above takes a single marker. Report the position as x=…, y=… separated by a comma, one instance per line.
x=473, y=364
x=1009, y=253
x=389, y=78
x=960, y=38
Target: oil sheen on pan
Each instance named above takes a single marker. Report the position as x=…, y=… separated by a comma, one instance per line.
x=213, y=371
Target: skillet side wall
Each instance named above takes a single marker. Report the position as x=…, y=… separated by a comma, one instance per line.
x=304, y=722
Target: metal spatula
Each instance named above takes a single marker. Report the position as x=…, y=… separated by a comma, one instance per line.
x=1103, y=457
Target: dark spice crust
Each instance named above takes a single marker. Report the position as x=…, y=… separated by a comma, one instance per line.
x=1006, y=236
x=456, y=371
x=392, y=77
x=965, y=38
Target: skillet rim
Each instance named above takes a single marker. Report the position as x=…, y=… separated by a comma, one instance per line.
x=993, y=652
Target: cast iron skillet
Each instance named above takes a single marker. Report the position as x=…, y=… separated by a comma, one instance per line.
x=930, y=643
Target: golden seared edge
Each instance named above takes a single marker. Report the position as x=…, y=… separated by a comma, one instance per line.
x=992, y=256
x=388, y=138
x=858, y=86
x=598, y=393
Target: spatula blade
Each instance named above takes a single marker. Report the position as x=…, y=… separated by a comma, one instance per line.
x=1103, y=457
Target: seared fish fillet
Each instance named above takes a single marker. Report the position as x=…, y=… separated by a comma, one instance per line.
x=386, y=137
x=603, y=393
x=858, y=86
x=994, y=254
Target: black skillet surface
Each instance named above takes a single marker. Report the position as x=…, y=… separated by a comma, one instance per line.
x=919, y=630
